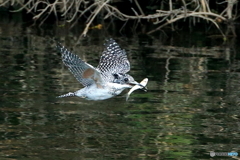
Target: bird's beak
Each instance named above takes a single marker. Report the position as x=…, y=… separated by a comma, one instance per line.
x=136, y=83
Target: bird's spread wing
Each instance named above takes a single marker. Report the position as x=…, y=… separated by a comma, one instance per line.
x=82, y=71
x=113, y=60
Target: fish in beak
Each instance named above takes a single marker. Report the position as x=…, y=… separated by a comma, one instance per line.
x=141, y=85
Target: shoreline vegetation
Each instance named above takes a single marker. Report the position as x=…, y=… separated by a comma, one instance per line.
x=222, y=14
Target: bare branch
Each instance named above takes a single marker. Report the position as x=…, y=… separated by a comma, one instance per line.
x=140, y=9
x=95, y=14
x=73, y=10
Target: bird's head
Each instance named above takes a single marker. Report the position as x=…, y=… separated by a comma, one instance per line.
x=126, y=80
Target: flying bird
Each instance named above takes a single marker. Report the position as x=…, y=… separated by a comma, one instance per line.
x=105, y=81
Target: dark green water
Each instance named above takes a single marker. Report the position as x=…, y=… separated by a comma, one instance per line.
x=190, y=109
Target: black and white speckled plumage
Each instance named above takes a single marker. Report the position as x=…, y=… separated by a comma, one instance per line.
x=113, y=60
x=76, y=65
x=107, y=80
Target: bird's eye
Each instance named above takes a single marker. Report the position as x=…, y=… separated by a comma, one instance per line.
x=126, y=79
x=116, y=76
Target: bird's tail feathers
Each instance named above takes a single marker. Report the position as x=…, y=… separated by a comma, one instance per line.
x=70, y=94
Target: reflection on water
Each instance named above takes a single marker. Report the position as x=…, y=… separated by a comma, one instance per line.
x=191, y=107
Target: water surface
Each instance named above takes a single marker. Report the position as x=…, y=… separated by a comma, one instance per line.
x=190, y=109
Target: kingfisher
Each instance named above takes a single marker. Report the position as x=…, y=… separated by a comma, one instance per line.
x=105, y=81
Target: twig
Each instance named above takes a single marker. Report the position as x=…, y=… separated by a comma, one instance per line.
x=180, y=17
x=72, y=11
x=95, y=14
x=140, y=9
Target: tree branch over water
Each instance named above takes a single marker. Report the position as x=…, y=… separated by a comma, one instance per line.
x=167, y=13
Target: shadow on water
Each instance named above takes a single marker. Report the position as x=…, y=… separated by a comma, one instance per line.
x=190, y=109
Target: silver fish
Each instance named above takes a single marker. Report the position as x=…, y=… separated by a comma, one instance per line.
x=136, y=87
